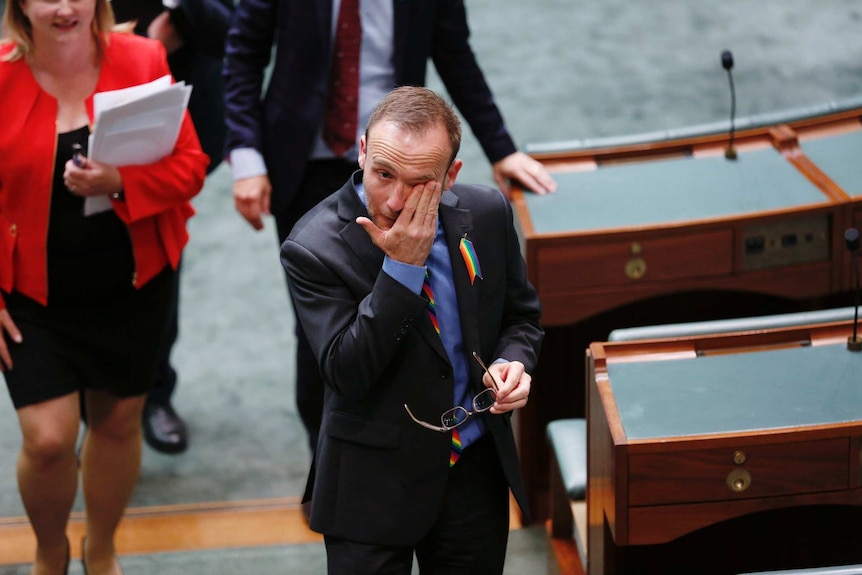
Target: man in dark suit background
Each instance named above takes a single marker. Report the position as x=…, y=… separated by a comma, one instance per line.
x=281, y=161
x=193, y=32
x=393, y=472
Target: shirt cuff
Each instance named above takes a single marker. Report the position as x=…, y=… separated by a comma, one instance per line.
x=408, y=275
x=246, y=163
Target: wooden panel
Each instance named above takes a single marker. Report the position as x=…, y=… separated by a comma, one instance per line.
x=664, y=523
x=702, y=475
x=794, y=282
x=659, y=259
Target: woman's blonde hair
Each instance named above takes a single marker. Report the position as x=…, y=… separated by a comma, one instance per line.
x=18, y=30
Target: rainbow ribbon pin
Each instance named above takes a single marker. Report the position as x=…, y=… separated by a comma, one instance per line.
x=470, y=259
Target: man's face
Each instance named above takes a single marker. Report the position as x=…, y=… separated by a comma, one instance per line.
x=394, y=161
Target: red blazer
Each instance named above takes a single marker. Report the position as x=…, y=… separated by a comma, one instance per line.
x=156, y=205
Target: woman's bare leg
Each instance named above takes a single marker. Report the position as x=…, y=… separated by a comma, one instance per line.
x=48, y=476
x=110, y=464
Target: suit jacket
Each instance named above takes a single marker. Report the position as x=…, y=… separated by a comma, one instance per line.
x=284, y=125
x=379, y=477
x=157, y=196
x=203, y=26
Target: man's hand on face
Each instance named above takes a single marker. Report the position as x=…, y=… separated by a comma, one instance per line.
x=410, y=238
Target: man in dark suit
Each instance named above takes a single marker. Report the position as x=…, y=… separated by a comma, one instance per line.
x=281, y=161
x=397, y=469
x=193, y=32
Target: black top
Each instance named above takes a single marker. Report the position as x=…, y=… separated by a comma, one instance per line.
x=89, y=257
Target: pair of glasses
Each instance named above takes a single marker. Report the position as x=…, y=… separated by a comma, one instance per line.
x=458, y=414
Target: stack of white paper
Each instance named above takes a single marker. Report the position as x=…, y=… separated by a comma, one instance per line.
x=135, y=126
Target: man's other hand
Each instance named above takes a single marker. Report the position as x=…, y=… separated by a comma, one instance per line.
x=251, y=197
x=529, y=172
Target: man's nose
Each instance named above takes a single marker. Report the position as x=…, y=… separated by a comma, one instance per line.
x=399, y=198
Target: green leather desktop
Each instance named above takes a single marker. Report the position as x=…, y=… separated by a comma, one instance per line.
x=840, y=157
x=678, y=190
x=735, y=393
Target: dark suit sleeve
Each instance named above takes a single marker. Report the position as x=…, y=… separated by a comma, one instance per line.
x=355, y=338
x=457, y=66
x=247, y=54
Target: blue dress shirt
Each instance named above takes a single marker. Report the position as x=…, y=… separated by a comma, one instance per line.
x=439, y=266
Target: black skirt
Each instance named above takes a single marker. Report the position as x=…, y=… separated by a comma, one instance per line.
x=111, y=345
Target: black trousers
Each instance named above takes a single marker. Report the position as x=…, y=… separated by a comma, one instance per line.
x=468, y=538
x=322, y=178
x=166, y=376
x=165, y=380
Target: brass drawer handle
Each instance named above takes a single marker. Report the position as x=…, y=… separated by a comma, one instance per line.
x=738, y=480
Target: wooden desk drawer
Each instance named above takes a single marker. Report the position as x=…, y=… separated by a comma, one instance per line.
x=685, y=256
x=759, y=471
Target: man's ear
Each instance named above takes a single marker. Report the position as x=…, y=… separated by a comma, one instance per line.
x=363, y=151
x=452, y=173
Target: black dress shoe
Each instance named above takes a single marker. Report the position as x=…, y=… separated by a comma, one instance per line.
x=164, y=430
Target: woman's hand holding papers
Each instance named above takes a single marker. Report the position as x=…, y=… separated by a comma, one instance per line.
x=89, y=178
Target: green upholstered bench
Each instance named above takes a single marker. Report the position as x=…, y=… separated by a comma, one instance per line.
x=841, y=570
x=732, y=325
x=567, y=440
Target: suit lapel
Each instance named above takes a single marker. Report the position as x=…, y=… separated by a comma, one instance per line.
x=349, y=208
x=458, y=223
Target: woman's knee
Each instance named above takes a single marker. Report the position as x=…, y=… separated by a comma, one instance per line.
x=48, y=445
x=115, y=419
x=49, y=430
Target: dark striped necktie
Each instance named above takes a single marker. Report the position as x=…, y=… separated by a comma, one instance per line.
x=342, y=108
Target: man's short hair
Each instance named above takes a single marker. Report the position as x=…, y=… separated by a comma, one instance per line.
x=416, y=110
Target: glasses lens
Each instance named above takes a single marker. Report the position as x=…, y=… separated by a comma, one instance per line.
x=454, y=417
x=485, y=400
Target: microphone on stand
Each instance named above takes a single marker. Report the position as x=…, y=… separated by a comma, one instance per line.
x=851, y=240
x=727, y=64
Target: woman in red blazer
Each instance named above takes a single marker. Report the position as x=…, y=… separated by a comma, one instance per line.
x=83, y=299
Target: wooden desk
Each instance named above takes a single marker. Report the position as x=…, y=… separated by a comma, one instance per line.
x=669, y=231
x=722, y=454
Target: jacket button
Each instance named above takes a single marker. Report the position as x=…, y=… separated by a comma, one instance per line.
x=13, y=230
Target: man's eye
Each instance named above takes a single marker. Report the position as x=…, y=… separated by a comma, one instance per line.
x=385, y=175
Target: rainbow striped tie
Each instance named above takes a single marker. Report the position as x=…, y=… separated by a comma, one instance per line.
x=431, y=307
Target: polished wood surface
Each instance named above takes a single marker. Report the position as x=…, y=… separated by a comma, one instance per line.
x=192, y=527
x=665, y=500
x=696, y=270
x=196, y=527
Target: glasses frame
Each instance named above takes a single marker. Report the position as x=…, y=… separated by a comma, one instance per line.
x=478, y=399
